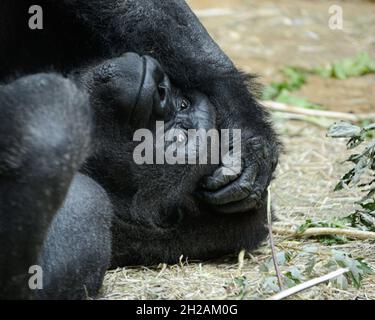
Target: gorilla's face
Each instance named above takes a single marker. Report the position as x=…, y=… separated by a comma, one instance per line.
x=136, y=91
x=131, y=93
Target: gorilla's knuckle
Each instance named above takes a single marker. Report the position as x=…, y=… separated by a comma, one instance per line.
x=49, y=124
x=254, y=142
x=48, y=92
x=245, y=188
x=257, y=194
x=215, y=199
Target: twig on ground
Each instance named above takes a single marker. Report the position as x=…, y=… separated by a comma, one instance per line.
x=241, y=261
x=308, y=284
x=272, y=244
x=281, y=107
x=314, y=232
x=316, y=121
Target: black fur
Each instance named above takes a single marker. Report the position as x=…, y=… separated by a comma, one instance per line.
x=65, y=171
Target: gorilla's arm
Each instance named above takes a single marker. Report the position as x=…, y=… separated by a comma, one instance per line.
x=45, y=134
x=171, y=33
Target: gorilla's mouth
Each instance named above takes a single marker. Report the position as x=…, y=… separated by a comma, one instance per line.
x=182, y=136
x=176, y=134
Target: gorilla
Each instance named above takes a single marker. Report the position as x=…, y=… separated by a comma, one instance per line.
x=71, y=198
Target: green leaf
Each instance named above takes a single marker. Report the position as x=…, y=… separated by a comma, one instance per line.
x=264, y=268
x=360, y=65
x=357, y=267
x=338, y=71
x=294, y=274
x=310, y=266
x=241, y=283
x=310, y=249
x=332, y=240
x=327, y=240
x=341, y=282
x=287, y=98
x=289, y=282
x=325, y=72
x=344, y=130
x=296, y=77
x=270, y=285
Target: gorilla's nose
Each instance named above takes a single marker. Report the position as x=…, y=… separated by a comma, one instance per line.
x=156, y=87
x=136, y=86
x=149, y=93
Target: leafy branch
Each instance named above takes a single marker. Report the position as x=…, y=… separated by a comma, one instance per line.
x=293, y=78
x=362, y=173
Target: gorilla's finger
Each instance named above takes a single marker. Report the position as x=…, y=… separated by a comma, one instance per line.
x=254, y=199
x=251, y=202
x=261, y=183
x=219, y=179
x=236, y=191
x=226, y=195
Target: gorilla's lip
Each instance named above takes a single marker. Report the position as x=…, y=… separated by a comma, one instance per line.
x=183, y=136
x=178, y=131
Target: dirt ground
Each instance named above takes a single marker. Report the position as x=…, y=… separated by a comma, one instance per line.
x=302, y=190
x=261, y=37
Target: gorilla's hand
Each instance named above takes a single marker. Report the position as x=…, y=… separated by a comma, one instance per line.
x=243, y=191
x=260, y=148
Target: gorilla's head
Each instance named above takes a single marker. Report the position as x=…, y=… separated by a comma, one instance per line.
x=131, y=93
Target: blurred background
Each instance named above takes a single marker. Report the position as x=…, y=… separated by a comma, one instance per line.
x=263, y=36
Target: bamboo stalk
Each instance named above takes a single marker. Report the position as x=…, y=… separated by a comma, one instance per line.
x=308, y=284
x=314, y=232
x=277, y=106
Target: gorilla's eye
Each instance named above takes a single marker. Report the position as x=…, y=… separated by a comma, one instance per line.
x=185, y=103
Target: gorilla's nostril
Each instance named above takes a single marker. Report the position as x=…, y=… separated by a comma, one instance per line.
x=162, y=93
